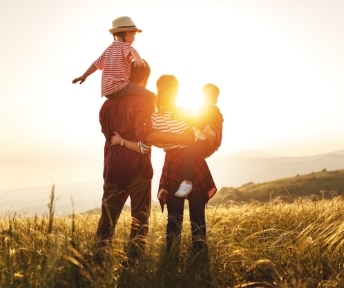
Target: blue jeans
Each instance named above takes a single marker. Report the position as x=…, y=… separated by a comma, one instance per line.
x=175, y=209
x=200, y=148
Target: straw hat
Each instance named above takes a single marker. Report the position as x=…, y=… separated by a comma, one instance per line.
x=122, y=24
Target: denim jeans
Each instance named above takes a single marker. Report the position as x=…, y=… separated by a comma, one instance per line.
x=175, y=209
x=200, y=148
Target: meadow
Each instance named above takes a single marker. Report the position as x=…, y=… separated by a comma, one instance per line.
x=272, y=244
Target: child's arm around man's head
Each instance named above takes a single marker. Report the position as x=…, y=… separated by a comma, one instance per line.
x=137, y=58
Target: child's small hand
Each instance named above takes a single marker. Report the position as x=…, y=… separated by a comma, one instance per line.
x=81, y=79
x=116, y=139
x=139, y=63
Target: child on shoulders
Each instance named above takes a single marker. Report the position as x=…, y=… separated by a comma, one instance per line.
x=115, y=62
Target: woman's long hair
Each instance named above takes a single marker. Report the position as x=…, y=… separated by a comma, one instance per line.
x=167, y=90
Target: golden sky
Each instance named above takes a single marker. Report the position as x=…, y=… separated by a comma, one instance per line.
x=279, y=65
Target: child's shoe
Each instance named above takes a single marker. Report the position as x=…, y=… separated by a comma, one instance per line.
x=184, y=189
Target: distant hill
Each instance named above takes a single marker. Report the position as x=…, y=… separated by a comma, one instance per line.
x=253, y=154
x=318, y=185
x=233, y=171
x=70, y=197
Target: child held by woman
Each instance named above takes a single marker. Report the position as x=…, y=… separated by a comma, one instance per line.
x=208, y=124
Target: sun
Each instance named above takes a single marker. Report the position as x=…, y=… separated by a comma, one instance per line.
x=189, y=99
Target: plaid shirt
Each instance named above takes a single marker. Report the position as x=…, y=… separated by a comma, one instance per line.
x=172, y=176
x=130, y=117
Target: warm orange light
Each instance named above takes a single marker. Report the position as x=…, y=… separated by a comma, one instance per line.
x=188, y=99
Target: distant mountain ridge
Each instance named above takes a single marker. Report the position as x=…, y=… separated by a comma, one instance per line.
x=252, y=154
x=228, y=170
x=77, y=197
x=239, y=170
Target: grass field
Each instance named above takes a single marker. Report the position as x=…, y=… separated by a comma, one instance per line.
x=297, y=244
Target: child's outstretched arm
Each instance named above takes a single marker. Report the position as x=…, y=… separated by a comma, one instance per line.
x=88, y=72
x=137, y=58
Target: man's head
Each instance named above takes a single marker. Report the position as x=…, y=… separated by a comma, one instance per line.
x=210, y=93
x=139, y=75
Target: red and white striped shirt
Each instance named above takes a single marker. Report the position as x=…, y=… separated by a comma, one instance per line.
x=166, y=123
x=116, y=66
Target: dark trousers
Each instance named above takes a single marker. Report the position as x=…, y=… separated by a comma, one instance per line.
x=114, y=198
x=175, y=210
x=200, y=148
x=131, y=90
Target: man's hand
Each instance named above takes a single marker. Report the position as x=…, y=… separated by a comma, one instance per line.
x=116, y=139
x=188, y=137
x=81, y=79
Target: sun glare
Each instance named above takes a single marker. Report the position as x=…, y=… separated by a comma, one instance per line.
x=189, y=99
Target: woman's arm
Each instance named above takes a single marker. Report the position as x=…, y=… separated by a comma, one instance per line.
x=192, y=118
x=131, y=145
x=200, y=121
x=156, y=138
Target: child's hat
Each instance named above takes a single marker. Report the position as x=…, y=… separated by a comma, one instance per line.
x=122, y=24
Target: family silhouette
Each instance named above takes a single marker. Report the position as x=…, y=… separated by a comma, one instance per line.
x=133, y=119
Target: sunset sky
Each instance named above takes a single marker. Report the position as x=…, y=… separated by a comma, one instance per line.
x=279, y=65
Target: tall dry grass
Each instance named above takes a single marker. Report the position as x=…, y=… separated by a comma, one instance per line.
x=298, y=244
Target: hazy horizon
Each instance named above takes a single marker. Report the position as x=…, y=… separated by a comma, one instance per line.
x=81, y=181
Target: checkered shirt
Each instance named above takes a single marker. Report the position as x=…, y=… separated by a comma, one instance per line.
x=172, y=176
x=130, y=117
